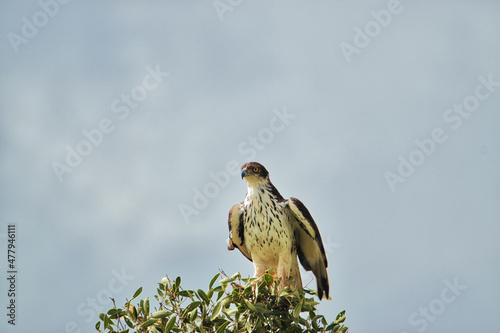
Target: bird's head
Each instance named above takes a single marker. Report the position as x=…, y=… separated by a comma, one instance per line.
x=254, y=173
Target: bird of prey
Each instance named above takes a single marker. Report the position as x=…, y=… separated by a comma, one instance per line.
x=272, y=231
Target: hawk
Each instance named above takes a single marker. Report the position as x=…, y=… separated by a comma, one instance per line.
x=272, y=231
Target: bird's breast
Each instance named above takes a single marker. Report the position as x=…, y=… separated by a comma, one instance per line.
x=268, y=232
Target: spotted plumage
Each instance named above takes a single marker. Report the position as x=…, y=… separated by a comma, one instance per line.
x=272, y=232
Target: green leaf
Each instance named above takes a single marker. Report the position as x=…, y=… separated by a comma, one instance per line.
x=315, y=325
x=210, y=285
x=227, y=280
x=129, y=322
x=216, y=310
x=298, y=309
x=193, y=315
x=248, y=325
x=210, y=293
x=248, y=292
x=193, y=305
x=106, y=322
x=341, y=314
x=231, y=312
x=218, y=289
x=203, y=310
x=148, y=323
x=141, y=307
x=137, y=293
x=98, y=325
x=250, y=279
x=251, y=306
x=261, y=309
x=178, y=281
x=170, y=323
x=112, y=312
x=220, y=294
x=268, y=279
x=222, y=327
x=203, y=296
x=133, y=312
x=314, y=321
x=226, y=302
x=302, y=321
x=161, y=314
x=332, y=327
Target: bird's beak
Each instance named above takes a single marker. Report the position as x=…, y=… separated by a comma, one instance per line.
x=244, y=173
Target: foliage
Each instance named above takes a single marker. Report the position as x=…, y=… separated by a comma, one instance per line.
x=227, y=307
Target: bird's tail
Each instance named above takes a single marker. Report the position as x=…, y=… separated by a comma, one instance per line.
x=322, y=280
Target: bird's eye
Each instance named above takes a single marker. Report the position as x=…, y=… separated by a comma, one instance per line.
x=255, y=169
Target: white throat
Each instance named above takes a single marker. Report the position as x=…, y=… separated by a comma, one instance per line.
x=257, y=189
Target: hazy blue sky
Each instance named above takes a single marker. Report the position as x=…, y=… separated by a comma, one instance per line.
x=122, y=124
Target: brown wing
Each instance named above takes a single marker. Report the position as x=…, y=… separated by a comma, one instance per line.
x=309, y=245
x=236, y=234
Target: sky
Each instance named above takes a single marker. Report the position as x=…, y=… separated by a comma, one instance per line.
x=123, y=125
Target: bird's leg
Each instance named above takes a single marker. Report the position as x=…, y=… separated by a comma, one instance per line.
x=284, y=266
x=260, y=269
x=295, y=279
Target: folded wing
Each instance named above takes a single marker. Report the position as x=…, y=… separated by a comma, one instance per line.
x=309, y=245
x=236, y=234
